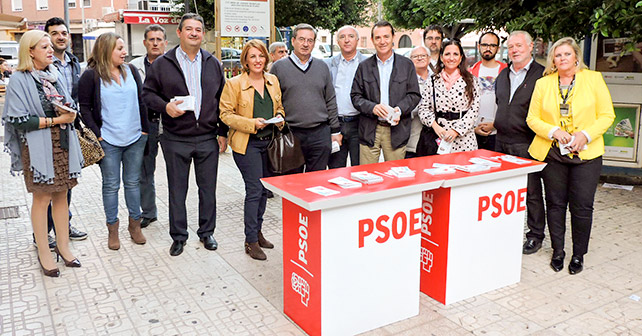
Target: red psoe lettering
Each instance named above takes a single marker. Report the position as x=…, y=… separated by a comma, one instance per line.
x=366, y=226
x=521, y=199
x=484, y=204
x=509, y=202
x=496, y=205
x=399, y=216
x=383, y=229
x=415, y=215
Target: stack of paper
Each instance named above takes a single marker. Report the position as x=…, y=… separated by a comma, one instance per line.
x=401, y=172
x=345, y=183
x=323, y=191
x=514, y=159
x=485, y=162
x=440, y=170
x=473, y=168
x=366, y=177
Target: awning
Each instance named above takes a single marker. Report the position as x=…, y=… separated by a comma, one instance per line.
x=92, y=35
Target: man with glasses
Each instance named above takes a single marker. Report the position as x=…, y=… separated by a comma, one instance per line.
x=486, y=72
x=342, y=69
x=514, y=88
x=420, y=58
x=308, y=99
x=433, y=35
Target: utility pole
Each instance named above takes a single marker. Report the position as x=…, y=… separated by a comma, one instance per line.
x=187, y=9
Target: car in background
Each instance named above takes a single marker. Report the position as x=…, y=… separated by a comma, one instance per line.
x=404, y=51
x=9, y=51
x=231, y=59
x=322, y=50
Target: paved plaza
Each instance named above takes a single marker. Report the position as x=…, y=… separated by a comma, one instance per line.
x=141, y=290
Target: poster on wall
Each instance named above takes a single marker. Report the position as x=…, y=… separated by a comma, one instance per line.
x=245, y=18
x=612, y=56
x=620, y=140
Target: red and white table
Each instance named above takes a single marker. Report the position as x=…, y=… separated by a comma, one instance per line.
x=350, y=260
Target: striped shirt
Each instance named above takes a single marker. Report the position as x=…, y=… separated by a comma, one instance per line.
x=192, y=72
x=65, y=70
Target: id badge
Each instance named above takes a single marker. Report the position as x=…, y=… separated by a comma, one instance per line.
x=564, y=109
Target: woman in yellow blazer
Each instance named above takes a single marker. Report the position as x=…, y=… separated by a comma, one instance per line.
x=570, y=109
x=247, y=101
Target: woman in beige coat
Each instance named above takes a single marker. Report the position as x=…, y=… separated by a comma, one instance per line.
x=247, y=101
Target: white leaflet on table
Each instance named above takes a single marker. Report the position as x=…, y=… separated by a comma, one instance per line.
x=478, y=160
x=345, y=183
x=366, y=177
x=323, y=191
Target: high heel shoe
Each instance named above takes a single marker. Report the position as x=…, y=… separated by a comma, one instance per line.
x=73, y=263
x=54, y=273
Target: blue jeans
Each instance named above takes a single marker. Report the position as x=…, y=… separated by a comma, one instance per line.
x=130, y=158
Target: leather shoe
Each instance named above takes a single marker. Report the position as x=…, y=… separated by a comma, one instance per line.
x=531, y=246
x=255, y=251
x=176, y=248
x=209, y=243
x=557, y=262
x=146, y=221
x=576, y=265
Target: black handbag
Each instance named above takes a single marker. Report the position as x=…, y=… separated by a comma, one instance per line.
x=427, y=144
x=284, y=151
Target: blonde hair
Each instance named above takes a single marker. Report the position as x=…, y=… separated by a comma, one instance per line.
x=258, y=44
x=28, y=41
x=569, y=41
x=100, y=59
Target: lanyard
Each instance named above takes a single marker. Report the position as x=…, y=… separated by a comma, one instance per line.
x=568, y=92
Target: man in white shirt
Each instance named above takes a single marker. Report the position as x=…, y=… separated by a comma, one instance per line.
x=342, y=68
x=486, y=72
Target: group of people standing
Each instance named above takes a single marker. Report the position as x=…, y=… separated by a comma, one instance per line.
x=385, y=104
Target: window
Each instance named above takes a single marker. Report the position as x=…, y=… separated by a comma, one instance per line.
x=72, y=3
x=86, y=3
x=16, y=5
x=42, y=4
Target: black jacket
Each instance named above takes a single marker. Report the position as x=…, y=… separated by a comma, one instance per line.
x=510, y=119
x=403, y=92
x=89, y=99
x=165, y=81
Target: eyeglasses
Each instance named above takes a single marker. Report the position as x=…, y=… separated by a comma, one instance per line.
x=488, y=46
x=303, y=40
x=430, y=38
x=419, y=57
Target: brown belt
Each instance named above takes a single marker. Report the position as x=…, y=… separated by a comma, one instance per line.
x=383, y=123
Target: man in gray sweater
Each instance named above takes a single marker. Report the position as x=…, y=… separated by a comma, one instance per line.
x=308, y=99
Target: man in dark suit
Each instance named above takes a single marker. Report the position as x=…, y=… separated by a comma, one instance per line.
x=514, y=88
x=384, y=83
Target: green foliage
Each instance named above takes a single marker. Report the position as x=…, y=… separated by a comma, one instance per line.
x=550, y=19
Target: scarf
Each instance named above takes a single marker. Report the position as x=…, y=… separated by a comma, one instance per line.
x=450, y=80
x=21, y=102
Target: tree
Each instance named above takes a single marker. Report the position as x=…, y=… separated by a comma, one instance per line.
x=549, y=19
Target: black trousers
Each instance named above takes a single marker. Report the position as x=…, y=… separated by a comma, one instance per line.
x=486, y=142
x=571, y=182
x=315, y=145
x=253, y=166
x=147, y=184
x=178, y=159
x=536, y=216
x=349, y=145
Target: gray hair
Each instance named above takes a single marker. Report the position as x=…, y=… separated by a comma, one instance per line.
x=303, y=26
x=277, y=45
x=348, y=27
x=155, y=27
x=526, y=35
x=420, y=47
